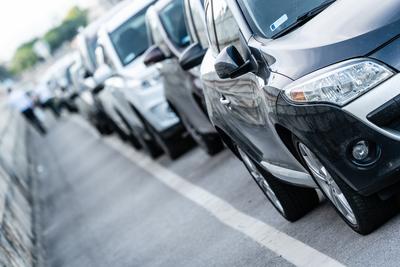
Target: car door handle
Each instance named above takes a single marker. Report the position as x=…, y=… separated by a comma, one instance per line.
x=224, y=101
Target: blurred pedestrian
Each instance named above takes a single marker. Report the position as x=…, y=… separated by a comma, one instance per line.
x=20, y=101
x=47, y=99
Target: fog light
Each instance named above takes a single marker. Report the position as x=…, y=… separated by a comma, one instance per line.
x=361, y=150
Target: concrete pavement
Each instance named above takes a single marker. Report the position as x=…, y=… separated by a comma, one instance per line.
x=100, y=208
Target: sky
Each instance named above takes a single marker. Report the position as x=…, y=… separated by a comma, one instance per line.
x=22, y=20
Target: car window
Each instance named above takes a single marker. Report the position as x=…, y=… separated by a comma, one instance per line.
x=154, y=29
x=92, y=44
x=189, y=22
x=210, y=27
x=130, y=39
x=226, y=28
x=197, y=17
x=273, y=16
x=173, y=20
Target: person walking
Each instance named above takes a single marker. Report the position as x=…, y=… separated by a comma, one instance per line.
x=20, y=101
x=47, y=98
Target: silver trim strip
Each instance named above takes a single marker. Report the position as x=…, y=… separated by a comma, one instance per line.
x=291, y=176
x=372, y=100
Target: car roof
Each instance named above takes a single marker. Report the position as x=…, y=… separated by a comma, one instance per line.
x=93, y=28
x=126, y=13
x=161, y=4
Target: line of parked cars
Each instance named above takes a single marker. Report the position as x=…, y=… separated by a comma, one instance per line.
x=305, y=93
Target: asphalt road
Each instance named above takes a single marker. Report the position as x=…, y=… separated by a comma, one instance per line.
x=103, y=204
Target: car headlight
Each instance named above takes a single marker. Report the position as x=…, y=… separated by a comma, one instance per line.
x=338, y=84
x=151, y=80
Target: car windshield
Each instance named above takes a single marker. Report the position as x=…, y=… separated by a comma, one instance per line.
x=130, y=39
x=92, y=44
x=173, y=20
x=270, y=17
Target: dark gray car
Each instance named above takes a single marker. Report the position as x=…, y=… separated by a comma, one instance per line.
x=306, y=93
x=183, y=89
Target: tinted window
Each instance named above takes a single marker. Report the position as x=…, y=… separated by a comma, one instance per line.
x=210, y=28
x=173, y=19
x=197, y=16
x=226, y=28
x=130, y=39
x=92, y=44
x=272, y=16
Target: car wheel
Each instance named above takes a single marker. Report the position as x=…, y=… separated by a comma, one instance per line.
x=102, y=123
x=103, y=129
x=290, y=201
x=171, y=147
x=363, y=214
x=210, y=143
x=150, y=147
x=131, y=138
x=174, y=146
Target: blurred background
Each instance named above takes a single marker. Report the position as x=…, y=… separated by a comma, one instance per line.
x=41, y=32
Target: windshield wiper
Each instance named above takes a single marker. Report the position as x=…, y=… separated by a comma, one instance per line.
x=300, y=20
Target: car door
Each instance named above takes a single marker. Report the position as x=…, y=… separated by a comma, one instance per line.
x=173, y=76
x=116, y=85
x=239, y=106
x=169, y=32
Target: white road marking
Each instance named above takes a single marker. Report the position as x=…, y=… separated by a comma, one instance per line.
x=289, y=248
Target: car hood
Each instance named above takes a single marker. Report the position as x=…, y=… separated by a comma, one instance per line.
x=137, y=70
x=346, y=29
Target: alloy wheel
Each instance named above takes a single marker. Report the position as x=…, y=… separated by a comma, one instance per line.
x=261, y=181
x=327, y=184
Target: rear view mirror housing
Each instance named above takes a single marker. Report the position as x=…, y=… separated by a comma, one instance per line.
x=103, y=73
x=192, y=56
x=230, y=64
x=154, y=55
x=89, y=82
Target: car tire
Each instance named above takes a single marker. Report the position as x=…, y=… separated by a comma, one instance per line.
x=131, y=138
x=171, y=147
x=292, y=202
x=102, y=123
x=103, y=129
x=174, y=146
x=211, y=143
x=363, y=214
x=150, y=147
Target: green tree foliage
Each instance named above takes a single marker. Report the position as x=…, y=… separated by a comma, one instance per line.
x=25, y=57
x=67, y=30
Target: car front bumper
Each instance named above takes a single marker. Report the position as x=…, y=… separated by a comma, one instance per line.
x=332, y=131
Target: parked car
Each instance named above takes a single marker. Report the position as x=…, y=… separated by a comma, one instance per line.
x=64, y=87
x=137, y=90
x=91, y=82
x=298, y=90
x=169, y=37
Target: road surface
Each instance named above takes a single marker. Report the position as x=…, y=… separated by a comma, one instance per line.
x=104, y=204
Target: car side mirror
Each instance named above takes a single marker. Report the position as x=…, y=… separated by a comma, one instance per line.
x=87, y=74
x=153, y=55
x=89, y=83
x=103, y=73
x=99, y=54
x=230, y=64
x=192, y=56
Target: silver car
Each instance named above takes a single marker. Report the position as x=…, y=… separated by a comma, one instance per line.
x=183, y=89
x=135, y=92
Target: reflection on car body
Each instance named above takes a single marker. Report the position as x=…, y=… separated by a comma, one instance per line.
x=313, y=92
